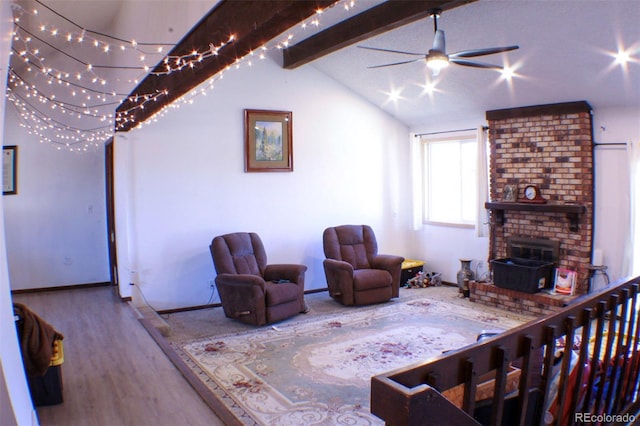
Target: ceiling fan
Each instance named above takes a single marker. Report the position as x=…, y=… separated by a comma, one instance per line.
x=437, y=58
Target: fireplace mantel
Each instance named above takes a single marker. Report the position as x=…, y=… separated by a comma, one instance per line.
x=573, y=211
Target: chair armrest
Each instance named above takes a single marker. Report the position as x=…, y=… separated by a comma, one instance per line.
x=387, y=261
x=291, y=272
x=339, y=279
x=243, y=297
x=338, y=266
x=240, y=282
x=392, y=264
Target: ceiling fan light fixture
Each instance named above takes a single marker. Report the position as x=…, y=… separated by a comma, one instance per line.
x=436, y=61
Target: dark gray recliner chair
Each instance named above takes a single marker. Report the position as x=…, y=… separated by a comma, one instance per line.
x=356, y=273
x=250, y=290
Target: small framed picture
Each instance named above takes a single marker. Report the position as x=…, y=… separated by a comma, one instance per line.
x=9, y=169
x=268, y=141
x=510, y=193
x=565, y=281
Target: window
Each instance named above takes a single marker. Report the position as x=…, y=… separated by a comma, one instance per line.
x=449, y=180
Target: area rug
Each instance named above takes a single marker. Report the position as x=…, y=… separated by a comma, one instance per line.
x=318, y=372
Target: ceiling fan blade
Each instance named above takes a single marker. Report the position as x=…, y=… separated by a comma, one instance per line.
x=392, y=51
x=482, y=52
x=395, y=63
x=468, y=63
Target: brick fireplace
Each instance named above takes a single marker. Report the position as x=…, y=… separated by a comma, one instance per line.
x=550, y=146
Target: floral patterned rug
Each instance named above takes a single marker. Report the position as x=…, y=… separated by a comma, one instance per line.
x=318, y=372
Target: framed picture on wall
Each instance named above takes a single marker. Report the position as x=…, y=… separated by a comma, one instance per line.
x=9, y=169
x=268, y=141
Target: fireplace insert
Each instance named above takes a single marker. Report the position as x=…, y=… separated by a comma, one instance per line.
x=533, y=249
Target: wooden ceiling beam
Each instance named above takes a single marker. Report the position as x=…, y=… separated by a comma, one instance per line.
x=372, y=22
x=253, y=23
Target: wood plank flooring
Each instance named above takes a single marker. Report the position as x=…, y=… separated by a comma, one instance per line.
x=113, y=372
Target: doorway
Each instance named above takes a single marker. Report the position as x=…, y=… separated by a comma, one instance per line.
x=111, y=223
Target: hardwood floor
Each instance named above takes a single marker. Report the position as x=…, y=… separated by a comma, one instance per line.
x=113, y=371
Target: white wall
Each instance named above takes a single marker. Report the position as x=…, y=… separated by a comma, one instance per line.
x=56, y=224
x=613, y=125
x=441, y=246
x=15, y=401
x=188, y=182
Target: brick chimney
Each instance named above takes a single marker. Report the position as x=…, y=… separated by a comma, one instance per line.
x=550, y=146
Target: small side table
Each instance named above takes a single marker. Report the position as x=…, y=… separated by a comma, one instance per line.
x=593, y=271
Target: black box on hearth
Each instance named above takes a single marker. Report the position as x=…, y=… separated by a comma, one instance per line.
x=528, y=276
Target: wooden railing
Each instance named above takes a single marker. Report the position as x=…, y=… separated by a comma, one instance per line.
x=597, y=383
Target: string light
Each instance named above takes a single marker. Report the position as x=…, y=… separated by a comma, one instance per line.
x=28, y=96
x=127, y=116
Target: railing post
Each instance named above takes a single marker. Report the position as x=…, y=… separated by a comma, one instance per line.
x=566, y=365
x=620, y=352
x=633, y=336
x=469, y=398
x=595, y=356
x=549, y=354
x=525, y=378
x=583, y=358
x=606, y=363
x=502, y=365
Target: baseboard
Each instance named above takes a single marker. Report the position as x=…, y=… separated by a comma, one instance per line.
x=317, y=290
x=58, y=288
x=188, y=308
x=219, y=305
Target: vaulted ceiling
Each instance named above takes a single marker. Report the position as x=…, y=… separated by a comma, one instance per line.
x=253, y=24
x=75, y=62
x=567, y=53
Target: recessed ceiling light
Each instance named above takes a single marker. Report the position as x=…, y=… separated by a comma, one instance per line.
x=394, y=95
x=428, y=88
x=622, y=57
x=508, y=73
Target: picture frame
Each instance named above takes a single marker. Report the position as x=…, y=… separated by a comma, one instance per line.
x=564, y=281
x=510, y=194
x=268, y=141
x=9, y=170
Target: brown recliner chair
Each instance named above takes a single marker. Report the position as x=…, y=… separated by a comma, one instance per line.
x=356, y=273
x=250, y=290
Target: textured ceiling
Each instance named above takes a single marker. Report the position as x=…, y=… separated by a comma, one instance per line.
x=566, y=54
